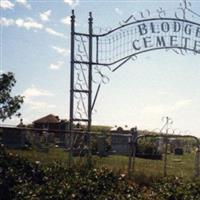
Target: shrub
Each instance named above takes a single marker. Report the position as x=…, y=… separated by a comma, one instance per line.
x=21, y=179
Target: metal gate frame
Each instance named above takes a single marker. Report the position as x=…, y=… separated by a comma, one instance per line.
x=131, y=168
x=93, y=52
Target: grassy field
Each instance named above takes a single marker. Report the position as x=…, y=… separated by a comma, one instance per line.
x=27, y=180
x=182, y=166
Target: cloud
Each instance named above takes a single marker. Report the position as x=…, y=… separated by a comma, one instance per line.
x=57, y=65
x=66, y=20
x=118, y=11
x=24, y=3
x=182, y=103
x=28, y=23
x=35, y=92
x=5, y=4
x=156, y=110
x=45, y=15
x=163, y=93
x=162, y=110
x=32, y=93
x=39, y=105
x=6, y=22
x=55, y=33
x=61, y=51
x=72, y=3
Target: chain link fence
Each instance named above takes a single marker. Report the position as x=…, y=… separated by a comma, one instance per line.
x=143, y=155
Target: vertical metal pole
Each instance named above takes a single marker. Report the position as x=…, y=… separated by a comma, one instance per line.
x=198, y=151
x=165, y=151
x=90, y=21
x=134, y=154
x=71, y=117
x=130, y=156
x=132, y=151
x=165, y=157
x=135, y=138
x=197, y=162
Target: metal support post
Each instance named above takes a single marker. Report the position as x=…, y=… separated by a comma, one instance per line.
x=71, y=117
x=166, y=147
x=134, y=154
x=197, y=161
x=130, y=157
x=165, y=156
x=90, y=22
x=132, y=145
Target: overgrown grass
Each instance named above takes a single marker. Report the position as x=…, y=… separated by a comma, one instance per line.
x=21, y=179
x=45, y=156
x=182, y=166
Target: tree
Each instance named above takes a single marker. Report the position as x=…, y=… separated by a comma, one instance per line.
x=9, y=105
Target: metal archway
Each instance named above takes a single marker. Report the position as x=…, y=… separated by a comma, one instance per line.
x=92, y=53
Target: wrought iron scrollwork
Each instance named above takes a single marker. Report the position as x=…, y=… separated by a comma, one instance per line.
x=184, y=11
x=80, y=77
x=112, y=48
x=100, y=76
x=161, y=12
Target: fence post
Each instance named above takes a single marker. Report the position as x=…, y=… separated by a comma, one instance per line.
x=129, y=161
x=130, y=156
x=165, y=156
x=90, y=60
x=134, y=152
x=197, y=162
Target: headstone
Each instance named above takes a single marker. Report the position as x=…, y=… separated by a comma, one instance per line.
x=101, y=146
x=120, y=144
x=64, y=138
x=67, y=140
x=178, y=151
x=37, y=139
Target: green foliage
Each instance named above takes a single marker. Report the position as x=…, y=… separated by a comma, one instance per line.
x=8, y=105
x=147, y=147
x=21, y=179
x=100, y=128
x=175, y=188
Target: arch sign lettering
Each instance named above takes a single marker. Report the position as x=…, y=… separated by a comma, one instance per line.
x=165, y=33
x=93, y=55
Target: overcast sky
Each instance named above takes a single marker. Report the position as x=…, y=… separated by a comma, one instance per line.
x=35, y=45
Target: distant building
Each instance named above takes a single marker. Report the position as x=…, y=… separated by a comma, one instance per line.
x=50, y=122
x=53, y=124
x=49, y=129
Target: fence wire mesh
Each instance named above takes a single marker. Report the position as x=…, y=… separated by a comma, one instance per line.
x=139, y=156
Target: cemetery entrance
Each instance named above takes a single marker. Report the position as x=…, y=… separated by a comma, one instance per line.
x=94, y=53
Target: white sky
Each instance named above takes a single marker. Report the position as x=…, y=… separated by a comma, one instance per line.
x=35, y=45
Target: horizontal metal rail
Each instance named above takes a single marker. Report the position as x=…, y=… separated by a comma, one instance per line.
x=46, y=130
x=197, y=160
